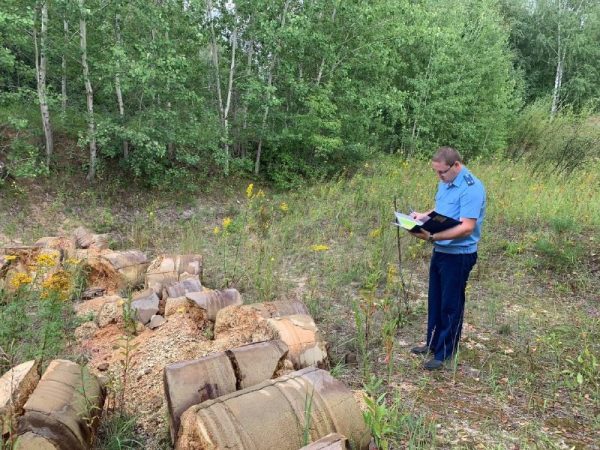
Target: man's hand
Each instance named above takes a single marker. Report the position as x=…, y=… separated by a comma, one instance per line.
x=421, y=234
x=419, y=216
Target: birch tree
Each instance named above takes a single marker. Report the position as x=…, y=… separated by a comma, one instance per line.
x=224, y=102
x=41, y=66
x=89, y=93
x=118, y=91
x=63, y=84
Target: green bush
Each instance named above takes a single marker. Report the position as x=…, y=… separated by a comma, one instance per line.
x=563, y=143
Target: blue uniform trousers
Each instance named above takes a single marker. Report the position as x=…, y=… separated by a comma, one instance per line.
x=448, y=275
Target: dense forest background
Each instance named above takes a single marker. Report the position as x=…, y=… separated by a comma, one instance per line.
x=291, y=89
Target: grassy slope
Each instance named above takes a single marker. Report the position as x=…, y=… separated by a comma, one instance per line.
x=527, y=373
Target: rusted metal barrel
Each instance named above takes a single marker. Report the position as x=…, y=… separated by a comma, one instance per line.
x=188, y=383
x=65, y=406
x=277, y=414
x=16, y=386
x=333, y=441
x=214, y=301
x=168, y=269
x=301, y=335
x=245, y=318
x=117, y=269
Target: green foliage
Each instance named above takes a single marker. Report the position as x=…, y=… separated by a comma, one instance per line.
x=563, y=143
x=459, y=77
x=17, y=150
x=318, y=87
x=117, y=432
x=33, y=327
x=558, y=255
x=584, y=371
x=390, y=425
x=36, y=311
x=536, y=31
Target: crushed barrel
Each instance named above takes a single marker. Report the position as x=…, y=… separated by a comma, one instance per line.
x=65, y=406
x=213, y=301
x=275, y=414
x=16, y=386
x=167, y=269
x=244, y=319
x=300, y=333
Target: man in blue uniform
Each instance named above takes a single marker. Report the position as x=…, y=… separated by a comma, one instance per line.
x=460, y=195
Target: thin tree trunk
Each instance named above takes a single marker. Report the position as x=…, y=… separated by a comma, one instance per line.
x=215, y=57
x=63, y=85
x=88, y=92
x=228, y=102
x=245, y=110
x=557, y=84
x=322, y=65
x=41, y=67
x=269, y=84
x=263, y=127
x=223, y=108
x=170, y=144
x=560, y=57
x=118, y=87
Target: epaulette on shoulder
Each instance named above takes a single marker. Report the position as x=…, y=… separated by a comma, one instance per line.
x=469, y=179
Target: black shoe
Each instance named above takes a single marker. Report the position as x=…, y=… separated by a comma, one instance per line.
x=420, y=350
x=433, y=364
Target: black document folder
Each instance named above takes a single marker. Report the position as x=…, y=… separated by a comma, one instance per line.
x=434, y=224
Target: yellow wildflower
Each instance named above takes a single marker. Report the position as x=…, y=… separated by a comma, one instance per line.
x=120, y=302
x=58, y=283
x=283, y=206
x=216, y=230
x=250, y=190
x=19, y=280
x=226, y=222
x=319, y=248
x=260, y=194
x=392, y=270
x=375, y=233
x=10, y=258
x=73, y=261
x=47, y=259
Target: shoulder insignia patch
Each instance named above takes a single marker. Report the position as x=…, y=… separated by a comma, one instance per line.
x=469, y=179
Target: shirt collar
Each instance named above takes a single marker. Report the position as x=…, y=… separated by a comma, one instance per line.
x=460, y=178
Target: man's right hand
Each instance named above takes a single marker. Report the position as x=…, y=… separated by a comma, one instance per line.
x=419, y=216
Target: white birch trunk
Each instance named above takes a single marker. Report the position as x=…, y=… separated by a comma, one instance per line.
x=223, y=107
x=560, y=58
x=322, y=65
x=88, y=92
x=41, y=67
x=557, y=84
x=118, y=91
x=63, y=84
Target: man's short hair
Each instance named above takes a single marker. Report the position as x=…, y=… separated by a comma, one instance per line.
x=447, y=155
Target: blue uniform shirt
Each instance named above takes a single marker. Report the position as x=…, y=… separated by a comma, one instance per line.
x=463, y=197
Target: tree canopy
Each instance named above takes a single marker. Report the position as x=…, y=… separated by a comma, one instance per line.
x=287, y=89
